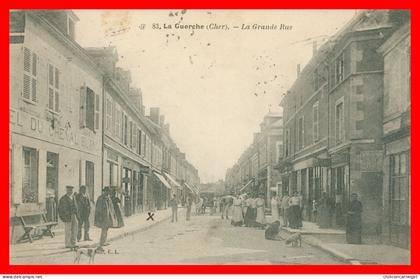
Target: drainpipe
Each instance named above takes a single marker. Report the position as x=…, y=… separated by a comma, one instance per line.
x=103, y=133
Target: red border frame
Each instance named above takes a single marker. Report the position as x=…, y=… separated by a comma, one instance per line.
x=198, y=269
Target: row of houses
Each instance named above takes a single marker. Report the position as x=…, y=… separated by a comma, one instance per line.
x=76, y=119
x=255, y=171
x=346, y=125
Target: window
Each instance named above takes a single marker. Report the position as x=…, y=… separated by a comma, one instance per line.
x=139, y=143
x=339, y=68
x=117, y=130
x=70, y=27
x=279, y=153
x=399, y=192
x=30, y=61
x=339, y=122
x=97, y=111
x=134, y=131
x=131, y=134
x=315, y=123
x=287, y=143
x=125, y=128
x=53, y=88
x=108, y=114
x=30, y=176
x=87, y=108
x=301, y=133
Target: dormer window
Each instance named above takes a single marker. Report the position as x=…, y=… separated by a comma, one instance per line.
x=70, y=27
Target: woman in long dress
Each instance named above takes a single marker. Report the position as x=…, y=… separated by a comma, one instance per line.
x=354, y=221
x=260, y=219
x=274, y=208
x=237, y=217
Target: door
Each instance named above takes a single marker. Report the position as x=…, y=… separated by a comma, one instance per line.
x=52, y=187
x=399, y=200
x=90, y=179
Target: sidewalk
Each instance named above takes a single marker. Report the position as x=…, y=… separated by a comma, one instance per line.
x=333, y=241
x=50, y=246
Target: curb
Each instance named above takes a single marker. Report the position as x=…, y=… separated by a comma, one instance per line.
x=340, y=255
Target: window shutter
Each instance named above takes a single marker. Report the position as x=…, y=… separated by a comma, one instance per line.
x=82, y=107
x=17, y=173
x=42, y=175
x=82, y=172
x=26, y=86
x=97, y=109
x=34, y=71
x=27, y=60
x=113, y=119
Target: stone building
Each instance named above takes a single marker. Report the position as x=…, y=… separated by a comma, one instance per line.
x=55, y=113
x=333, y=120
x=396, y=136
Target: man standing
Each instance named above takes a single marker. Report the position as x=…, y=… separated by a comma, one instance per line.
x=83, y=204
x=105, y=217
x=67, y=210
x=189, y=204
x=285, y=209
x=173, y=203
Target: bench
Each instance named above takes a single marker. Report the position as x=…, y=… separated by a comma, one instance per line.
x=28, y=226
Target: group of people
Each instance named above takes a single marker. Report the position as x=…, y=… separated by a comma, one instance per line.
x=74, y=210
x=246, y=210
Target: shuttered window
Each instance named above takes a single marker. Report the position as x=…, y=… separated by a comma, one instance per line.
x=30, y=61
x=139, y=139
x=97, y=111
x=53, y=88
x=87, y=108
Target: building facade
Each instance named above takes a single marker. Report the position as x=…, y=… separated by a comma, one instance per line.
x=55, y=113
x=396, y=136
x=76, y=120
x=334, y=118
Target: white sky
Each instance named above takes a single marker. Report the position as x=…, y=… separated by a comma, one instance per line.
x=210, y=84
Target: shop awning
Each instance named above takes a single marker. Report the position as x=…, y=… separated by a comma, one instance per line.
x=246, y=185
x=172, y=180
x=193, y=189
x=163, y=180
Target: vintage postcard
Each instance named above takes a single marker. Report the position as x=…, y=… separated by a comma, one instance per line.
x=210, y=137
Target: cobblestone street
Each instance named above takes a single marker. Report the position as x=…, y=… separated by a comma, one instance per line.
x=204, y=240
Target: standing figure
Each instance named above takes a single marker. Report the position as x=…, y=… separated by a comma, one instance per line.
x=173, y=203
x=301, y=205
x=354, y=221
x=116, y=203
x=68, y=212
x=247, y=210
x=199, y=205
x=105, y=217
x=274, y=208
x=214, y=206
x=285, y=209
x=204, y=205
x=83, y=204
x=294, y=211
x=189, y=205
x=237, y=217
x=260, y=218
x=253, y=220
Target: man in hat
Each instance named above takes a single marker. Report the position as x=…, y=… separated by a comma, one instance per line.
x=83, y=204
x=105, y=216
x=68, y=212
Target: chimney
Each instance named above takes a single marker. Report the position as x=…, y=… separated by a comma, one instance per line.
x=154, y=115
x=314, y=48
x=298, y=69
x=162, y=120
x=166, y=128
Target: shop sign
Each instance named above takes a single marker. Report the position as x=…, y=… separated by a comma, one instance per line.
x=341, y=158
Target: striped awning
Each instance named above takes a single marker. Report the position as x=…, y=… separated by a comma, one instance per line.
x=172, y=180
x=163, y=180
x=246, y=185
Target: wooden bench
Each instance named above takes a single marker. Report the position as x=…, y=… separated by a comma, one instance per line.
x=41, y=223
